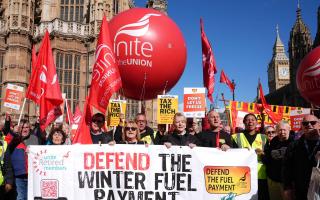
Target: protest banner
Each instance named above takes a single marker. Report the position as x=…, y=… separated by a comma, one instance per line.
x=13, y=97
x=194, y=102
x=296, y=117
x=155, y=172
x=115, y=107
x=237, y=110
x=167, y=107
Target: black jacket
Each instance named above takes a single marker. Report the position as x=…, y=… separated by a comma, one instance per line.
x=208, y=139
x=297, y=167
x=181, y=140
x=274, y=155
x=102, y=138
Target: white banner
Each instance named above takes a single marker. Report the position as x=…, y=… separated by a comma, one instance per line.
x=86, y=172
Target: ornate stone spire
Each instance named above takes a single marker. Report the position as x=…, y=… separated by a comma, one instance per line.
x=278, y=68
x=160, y=5
x=278, y=48
x=300, y=44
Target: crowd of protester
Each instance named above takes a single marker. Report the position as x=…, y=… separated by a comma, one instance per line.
x=285, y=158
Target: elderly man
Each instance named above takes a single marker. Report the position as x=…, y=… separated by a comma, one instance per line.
x=274, y=154
x=300, y=158
x=215, y=137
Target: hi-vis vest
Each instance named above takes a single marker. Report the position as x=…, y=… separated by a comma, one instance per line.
x=259, y=142
x=147, y=139
x=3, y=147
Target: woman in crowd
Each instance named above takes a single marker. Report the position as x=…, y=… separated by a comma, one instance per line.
x=57, y=137
x=180, y=136
x=270, y=133
x=274, y=154
x=130, y=134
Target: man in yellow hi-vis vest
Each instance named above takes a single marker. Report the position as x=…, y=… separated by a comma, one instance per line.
x=251, y=139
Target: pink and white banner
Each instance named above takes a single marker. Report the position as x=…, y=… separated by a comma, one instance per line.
x=139, y=173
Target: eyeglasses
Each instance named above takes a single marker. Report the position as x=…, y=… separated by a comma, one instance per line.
x=270, y=132
x=306, y=123
x=130, y=128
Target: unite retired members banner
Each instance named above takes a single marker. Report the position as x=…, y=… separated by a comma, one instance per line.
x=140, y=173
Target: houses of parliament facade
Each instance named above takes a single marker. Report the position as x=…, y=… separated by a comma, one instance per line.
x=282, y=69
x=73, y=26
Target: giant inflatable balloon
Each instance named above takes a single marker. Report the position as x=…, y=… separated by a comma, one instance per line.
x=150, y=50
x=308, y=77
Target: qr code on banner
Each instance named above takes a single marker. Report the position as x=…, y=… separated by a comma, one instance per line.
x=49, y=189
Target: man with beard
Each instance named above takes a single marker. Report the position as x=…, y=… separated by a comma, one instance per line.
x=215, y=137
x=299, y=159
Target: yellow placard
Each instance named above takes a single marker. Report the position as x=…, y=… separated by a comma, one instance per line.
x=116, y=107
x=167, y=107
x=227, y=179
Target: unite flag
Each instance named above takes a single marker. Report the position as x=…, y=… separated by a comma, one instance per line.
x=208, y=63
x=105, y=81
x=106, y=78
x=44, y=88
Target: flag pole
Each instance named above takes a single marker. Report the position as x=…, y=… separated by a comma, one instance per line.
x=24, y=102
x=68, y=111
x=233, y=95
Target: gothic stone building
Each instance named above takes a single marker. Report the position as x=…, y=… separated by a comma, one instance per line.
x=282, y=71
x=73, y=26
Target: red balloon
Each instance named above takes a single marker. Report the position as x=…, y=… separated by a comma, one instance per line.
x=308, y=77
x=150, y=50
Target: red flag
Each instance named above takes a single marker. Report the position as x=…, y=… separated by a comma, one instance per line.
x=226, y=80
x=208, y=63
x=33, y=57
x=275, y=118
x=105, y=74
x=44, y=87
x=69, y=117
x=77, y=116
x=82, y=135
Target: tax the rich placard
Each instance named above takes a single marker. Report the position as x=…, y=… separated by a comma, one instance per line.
x=137, y=172
x=167, y=107
x=194, y=102
x=13, y=97
x=116, y=107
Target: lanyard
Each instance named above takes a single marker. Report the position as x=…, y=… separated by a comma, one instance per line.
x=310, y=155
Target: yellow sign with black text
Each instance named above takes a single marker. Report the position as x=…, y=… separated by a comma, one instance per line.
x=167, y=107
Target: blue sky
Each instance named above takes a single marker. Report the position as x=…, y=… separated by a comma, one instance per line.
x=242, y=34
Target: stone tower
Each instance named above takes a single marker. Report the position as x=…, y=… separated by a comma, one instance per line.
x=16, y=31
x=278, y=69
x=160, y=5
x=300, y=44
